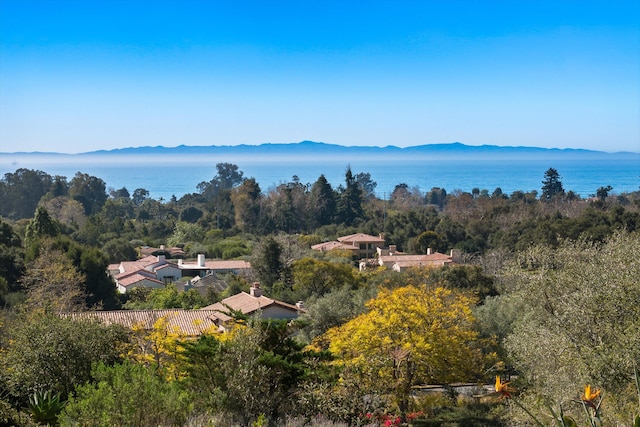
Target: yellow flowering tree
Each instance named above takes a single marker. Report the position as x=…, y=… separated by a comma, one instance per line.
x=161, y=347
x=410, y=335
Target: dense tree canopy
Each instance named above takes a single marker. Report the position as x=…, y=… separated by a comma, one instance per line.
x=49, y=352
x=578, y=319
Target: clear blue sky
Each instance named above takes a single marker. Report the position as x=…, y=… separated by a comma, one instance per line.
x=78, y=75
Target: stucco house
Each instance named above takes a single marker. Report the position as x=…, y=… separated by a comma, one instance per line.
x=128, y=281
x=155, y=271
x=210, y=319
x=362, y=245
x=203, y=267
x=253, y=303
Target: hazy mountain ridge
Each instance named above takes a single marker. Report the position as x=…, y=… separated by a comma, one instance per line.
x=306, y=148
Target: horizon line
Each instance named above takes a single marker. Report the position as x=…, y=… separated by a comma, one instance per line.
x=456, y=143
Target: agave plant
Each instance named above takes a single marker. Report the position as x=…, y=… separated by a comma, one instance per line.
x=45, y=406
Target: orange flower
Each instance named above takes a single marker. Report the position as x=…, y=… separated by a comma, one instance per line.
x=589, y=396
x=503, y=388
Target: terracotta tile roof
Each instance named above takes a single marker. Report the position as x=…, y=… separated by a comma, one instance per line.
x=130, y=279
x=140, y=264
x=190, y=322
x=434, y=257
x=329, y=246
x=130, y=273
x=361, y=237
x=247, y=304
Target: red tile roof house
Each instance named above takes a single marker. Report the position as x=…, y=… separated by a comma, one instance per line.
x=362, y=245
x=190, y=323
x=210, y=319
x=253, y=303
x=202, y=267
x=156, y=272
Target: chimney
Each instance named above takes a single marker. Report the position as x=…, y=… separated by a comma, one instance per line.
x=429, y=252
x=162, y=247
x=255, y=290
x=456, y=255
x=393, y=249
x=180, y=261
x=201, y=260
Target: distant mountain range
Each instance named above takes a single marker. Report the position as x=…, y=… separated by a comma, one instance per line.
x=305, y=149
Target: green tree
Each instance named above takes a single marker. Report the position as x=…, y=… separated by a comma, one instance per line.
x=333, y=309
x=437, y=196
x=367, y=185
x=118, y=250
x=350, y=202
x=184, y=232
x=126, y=394
x=603, y=192
x=88, y=190
x=139, y=196
x=121, y=193
x=246, y=204
x=228, y=176
x=427, y=240
x=267, y=262
x=323, y=202
x=190, y=214
x=11, y=257
x=465, y=277
x=42, y=225
x=165, y=298
x=578, y=320
x=253, y=372
x=287, y=207
x=55, y=353
x=100, y=288
x=401, y=196
x=317, y=277
x=21, y=192
x=551, y=185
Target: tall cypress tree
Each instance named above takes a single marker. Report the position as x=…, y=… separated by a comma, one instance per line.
x=551, y=185
x=350, y=203
x=323, y=201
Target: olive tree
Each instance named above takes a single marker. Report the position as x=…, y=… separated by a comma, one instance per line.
x=579, y=319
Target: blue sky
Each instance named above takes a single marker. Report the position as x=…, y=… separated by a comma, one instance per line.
x=79, y=76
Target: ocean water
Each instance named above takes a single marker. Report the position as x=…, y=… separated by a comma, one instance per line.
x=167, y=177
